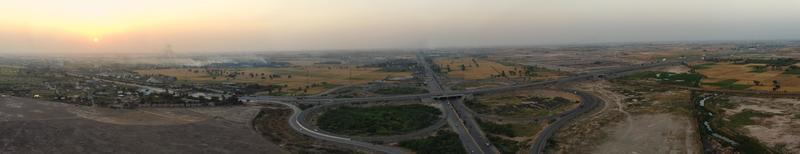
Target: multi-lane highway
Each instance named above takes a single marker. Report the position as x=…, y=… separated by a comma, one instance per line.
x=461, y=120
x=457, y=114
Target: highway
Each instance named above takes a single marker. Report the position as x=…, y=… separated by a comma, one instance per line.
x=457, y=115
x=588, y=103
x=294, y=122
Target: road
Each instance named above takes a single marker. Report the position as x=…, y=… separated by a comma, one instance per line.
x=457, y=115
x=294, y=122
x=588, y=103
x=456, y=112
x=435, y=92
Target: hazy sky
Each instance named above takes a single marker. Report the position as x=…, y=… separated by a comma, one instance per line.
x=147, y=26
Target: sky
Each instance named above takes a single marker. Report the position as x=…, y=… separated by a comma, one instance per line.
x=188, y=26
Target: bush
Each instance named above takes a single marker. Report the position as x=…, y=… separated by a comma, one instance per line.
x=378, y=120
x=444, y=142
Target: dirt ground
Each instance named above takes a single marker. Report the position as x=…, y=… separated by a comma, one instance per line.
x=32, y=126
x=780, y=129
x=657, y=133
x=676, y=69
x=650, y=124
x=723, y=71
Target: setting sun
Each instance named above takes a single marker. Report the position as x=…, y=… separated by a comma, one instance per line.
x=95, y=40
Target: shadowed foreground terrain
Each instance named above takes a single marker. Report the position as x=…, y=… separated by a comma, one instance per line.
x=31, y=126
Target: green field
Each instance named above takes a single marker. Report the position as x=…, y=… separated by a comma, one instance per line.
x=703, y=66
x=510, y=130
x=444, y=142
x=378, y=120
x=745, y=118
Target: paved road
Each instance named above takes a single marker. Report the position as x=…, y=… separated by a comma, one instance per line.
x=468, y=130
x=294, y=122
x=588, y=102
x=457, y=115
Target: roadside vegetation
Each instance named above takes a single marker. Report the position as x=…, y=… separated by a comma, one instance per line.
x=378, y=120
x=445, y=142
x=509, y=130
x=401, y=90
x=506, y=146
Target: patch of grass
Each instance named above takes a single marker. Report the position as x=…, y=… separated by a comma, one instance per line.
x=444, y=142
x=502, y=129
x=510, y=130
x=703, y=66
x=505, y=146
x=758, y=69
x=401, y=90
x=792, y=70
x=728, y=84
x=745, y=118
x=378, y=120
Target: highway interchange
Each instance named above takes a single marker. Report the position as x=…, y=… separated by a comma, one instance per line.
x=456, y=113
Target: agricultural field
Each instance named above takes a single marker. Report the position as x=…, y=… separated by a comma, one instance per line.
x=469, y=68
x=745, y=76
x=295, y=80
x=378, y=120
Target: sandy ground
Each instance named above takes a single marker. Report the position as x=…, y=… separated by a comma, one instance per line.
x=779, y=129
x=32, y=126
x=621, y=127
x=659, y=133
x=677, y=69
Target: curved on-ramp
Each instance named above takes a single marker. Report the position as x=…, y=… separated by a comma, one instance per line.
x=297, y=126
x=588, y=103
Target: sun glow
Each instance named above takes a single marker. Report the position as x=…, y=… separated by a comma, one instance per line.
x=95, y=39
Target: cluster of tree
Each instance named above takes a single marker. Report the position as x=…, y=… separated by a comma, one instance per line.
x=775, y=85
